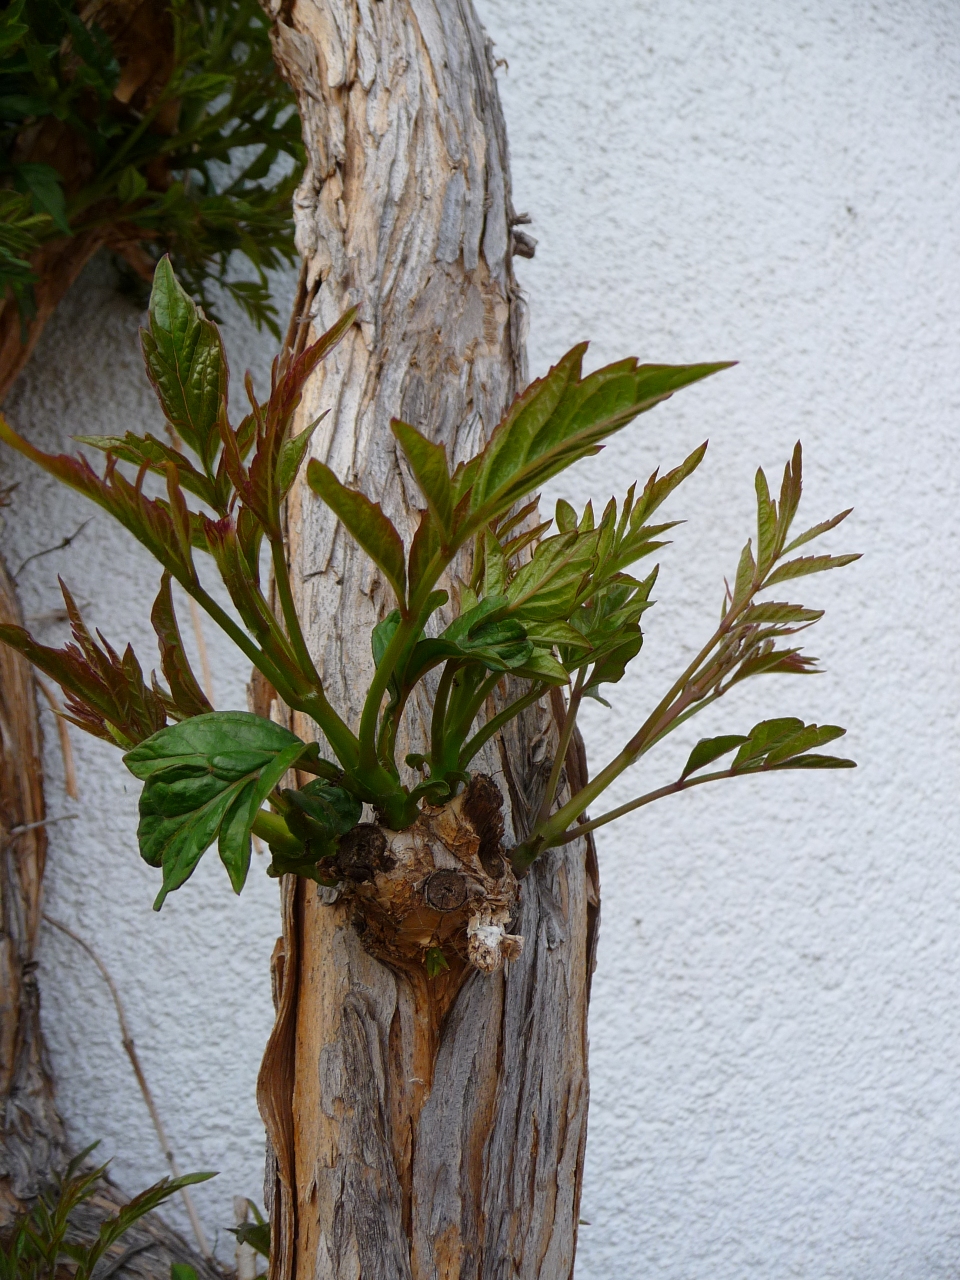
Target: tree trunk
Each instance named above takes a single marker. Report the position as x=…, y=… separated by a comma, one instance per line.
x=422, y=1128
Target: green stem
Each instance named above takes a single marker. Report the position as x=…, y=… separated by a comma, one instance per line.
x=281, y=576
x=673, y=788
x=314, y=703
x=439, y=716
x=566, y=733
x=272, y=828
x=461, y=726
x=663, y=717
x=378, y=687
x=494, y=725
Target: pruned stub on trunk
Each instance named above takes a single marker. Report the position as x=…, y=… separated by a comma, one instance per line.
x=441, y=888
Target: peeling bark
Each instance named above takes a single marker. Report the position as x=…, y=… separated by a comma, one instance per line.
x=421, y=1128
x=33, y=1145
x=31, y=1135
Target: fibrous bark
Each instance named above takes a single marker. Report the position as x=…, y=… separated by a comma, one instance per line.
x=420, y=1127
x=33, y=1145
x=31, y=1135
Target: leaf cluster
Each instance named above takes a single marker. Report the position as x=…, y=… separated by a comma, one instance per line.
x=163, y=131
x=556, y=603
x=43, y=1239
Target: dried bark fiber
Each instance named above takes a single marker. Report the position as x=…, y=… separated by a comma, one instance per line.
x=33, y=1146
x=422, y=1129
x=31, y=1135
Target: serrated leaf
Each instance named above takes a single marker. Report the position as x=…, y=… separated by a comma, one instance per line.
x=494, y=567
x=43, y=183
x=804, y=565
x=428, y=462
x=815, y=532
x=566, y=517
x=188, y=698
x=367, y=523
x=205, y=778
x=185, y=362
x=709, y=749
x=773, y=611
x=292, y=454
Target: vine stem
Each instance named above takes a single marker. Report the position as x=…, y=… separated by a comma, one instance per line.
x=127, y=1040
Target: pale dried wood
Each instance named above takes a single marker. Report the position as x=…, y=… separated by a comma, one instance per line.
x=404, y=1148
x=33, y=1147
x=31, y=1135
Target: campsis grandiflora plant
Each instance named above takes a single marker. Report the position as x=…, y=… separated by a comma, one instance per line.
x=536, y=607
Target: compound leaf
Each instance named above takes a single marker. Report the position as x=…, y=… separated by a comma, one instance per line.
x=365, y=521
x=185, y=362
x=207, y=777
x=709, y=749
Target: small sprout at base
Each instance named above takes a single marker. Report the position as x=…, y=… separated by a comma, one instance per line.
x=436, y=962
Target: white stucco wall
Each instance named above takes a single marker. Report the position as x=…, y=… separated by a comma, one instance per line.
x=776, y=1021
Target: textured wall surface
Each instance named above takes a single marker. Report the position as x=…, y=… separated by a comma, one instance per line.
x=776, y=1020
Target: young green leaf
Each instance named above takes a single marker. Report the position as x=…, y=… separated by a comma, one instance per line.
x=435, y=961
x=428, y=462
x=292, y=454
x=709, y=749
x=43, y=183
x=187, y=697
x=815, y=532
x=204, y=778
x=321, y=811
x=564, y=418
x=773, y=743
x=185, y=362
x=365, y=521
x=804, y=565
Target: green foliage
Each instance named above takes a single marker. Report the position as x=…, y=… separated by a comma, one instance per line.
x=256, y=1234
x=207, y=779
x=185, y=166
x=435, y=962
x=544, y=607
x=43, y=1240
